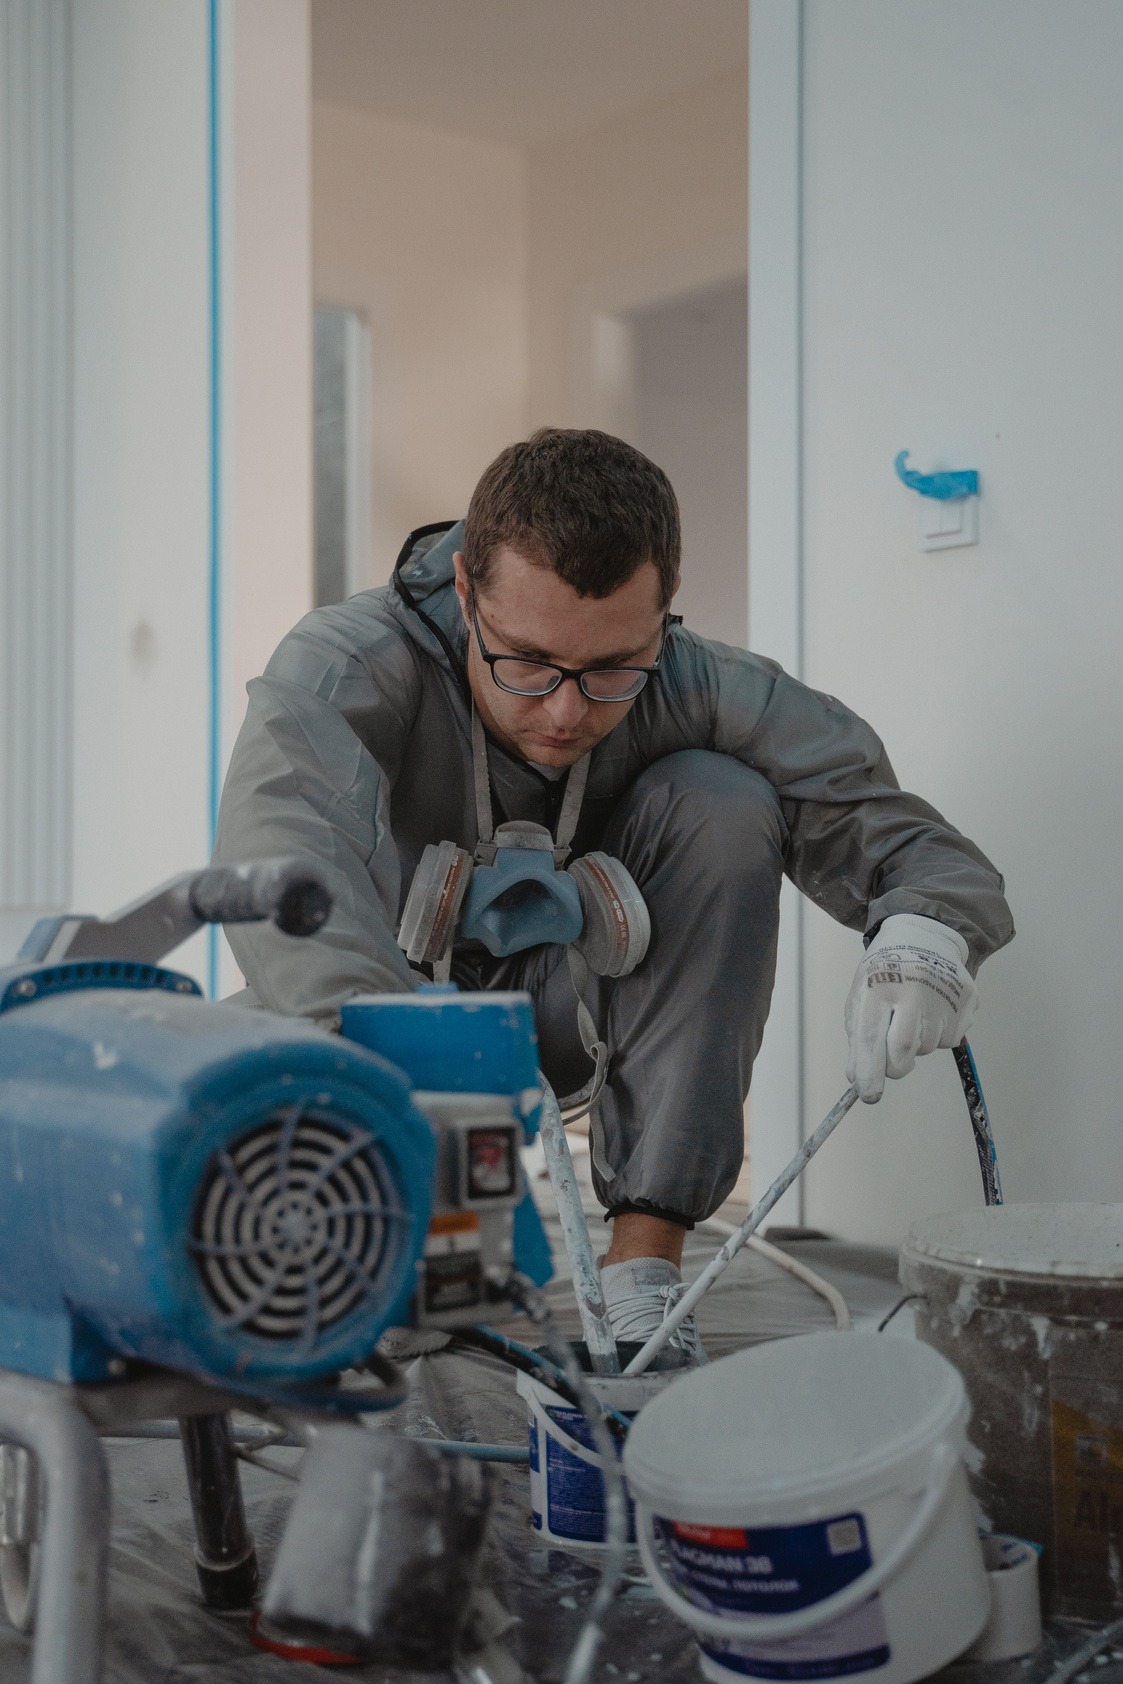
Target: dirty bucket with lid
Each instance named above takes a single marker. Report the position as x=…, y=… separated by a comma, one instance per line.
x=1027, y=1301
x=803, y=1505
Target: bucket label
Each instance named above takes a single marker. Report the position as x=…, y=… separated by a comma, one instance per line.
x=1087, y=1423
x=575, y=1489
x=535, y=1471
x=775, y=1570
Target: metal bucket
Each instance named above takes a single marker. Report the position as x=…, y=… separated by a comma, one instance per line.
x=1027, y=1302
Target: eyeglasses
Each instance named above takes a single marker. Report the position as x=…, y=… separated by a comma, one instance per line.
x=520, y=677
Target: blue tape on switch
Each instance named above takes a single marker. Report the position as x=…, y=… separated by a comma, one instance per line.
x=964, y=482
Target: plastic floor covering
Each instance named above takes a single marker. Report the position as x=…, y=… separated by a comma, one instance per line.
x=159, y=1633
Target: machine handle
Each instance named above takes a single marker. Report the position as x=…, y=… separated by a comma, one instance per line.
x=288, y=890
x=776, y=1628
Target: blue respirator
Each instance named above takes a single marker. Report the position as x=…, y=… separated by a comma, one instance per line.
x=516, y=891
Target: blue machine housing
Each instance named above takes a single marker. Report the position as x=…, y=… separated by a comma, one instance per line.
x=211, y=1189
x=448, y=1042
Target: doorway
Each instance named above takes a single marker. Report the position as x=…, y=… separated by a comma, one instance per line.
x=690, y=407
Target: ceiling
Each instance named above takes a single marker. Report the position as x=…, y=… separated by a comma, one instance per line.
x=520, y=71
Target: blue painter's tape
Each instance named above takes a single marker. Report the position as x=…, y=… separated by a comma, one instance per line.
x=214, y=574
x=964, y=482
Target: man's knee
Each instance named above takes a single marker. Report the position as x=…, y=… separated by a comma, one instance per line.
x=707, y=802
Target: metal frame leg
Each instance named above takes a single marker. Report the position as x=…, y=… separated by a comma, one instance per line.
x=47, y=1419
x=21, y=1528
x=225, y=1559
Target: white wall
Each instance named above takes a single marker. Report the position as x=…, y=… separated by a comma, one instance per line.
x=36, y=608
x=142, y=412
x=425, y=233
x=141, y=446
x=963, y=250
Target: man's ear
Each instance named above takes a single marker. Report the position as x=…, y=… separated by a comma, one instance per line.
x=462, y=587
x=674, y=592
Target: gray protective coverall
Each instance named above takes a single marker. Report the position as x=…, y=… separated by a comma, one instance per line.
x=356, y=752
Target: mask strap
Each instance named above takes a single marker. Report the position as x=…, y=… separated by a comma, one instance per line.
x=598, y=1052
x=485, y=817
x=571, y=808
x=578, y=969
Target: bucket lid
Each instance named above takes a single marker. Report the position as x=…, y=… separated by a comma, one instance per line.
x=1084, y=1241
x=761, y=1436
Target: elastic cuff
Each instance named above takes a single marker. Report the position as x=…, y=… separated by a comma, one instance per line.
x=644, y=1207
x=918, y=928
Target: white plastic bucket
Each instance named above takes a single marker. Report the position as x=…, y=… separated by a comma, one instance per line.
x=1013, y=1628
x=811, y=1501
x=566, y=1484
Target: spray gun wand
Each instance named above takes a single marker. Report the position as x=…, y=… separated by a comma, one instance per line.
x=748, y=1227
x=988, y=1164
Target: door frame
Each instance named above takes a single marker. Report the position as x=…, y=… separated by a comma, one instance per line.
x=777, y=1106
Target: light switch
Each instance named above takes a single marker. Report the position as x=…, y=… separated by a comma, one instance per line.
x=948, y=523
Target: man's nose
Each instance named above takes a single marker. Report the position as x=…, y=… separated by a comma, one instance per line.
x=567, y=705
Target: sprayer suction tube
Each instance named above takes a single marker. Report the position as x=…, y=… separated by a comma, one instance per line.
x=749, y=1226
x=988, y=1162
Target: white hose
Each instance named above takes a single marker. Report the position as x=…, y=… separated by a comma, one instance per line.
x=816, y=1282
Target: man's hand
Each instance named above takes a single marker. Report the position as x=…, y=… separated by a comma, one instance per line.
x=911, y=994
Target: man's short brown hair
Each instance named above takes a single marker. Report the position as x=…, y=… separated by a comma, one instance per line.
x=585, y=504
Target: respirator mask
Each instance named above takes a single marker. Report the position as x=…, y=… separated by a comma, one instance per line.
x=516, y=892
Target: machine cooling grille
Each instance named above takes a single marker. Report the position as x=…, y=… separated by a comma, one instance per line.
x=295, y=1223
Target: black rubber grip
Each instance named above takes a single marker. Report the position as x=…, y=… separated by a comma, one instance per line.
x=288, y=890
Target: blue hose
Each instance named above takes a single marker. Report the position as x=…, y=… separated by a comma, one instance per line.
x=980, y=1122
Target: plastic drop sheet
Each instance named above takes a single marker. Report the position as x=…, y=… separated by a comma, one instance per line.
x=159, y=1633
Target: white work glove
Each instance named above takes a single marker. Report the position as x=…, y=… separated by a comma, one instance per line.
x=911, y=994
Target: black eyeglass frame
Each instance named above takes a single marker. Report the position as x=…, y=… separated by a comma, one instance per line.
x=578, y=674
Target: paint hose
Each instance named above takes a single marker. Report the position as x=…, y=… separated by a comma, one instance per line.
x=980, y=1122
x=497, y=1344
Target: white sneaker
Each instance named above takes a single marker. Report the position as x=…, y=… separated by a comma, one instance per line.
x=640, y=1294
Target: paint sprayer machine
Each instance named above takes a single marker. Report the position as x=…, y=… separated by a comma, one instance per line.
x=205, y=1207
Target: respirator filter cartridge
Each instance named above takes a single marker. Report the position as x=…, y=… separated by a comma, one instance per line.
x=616, y=925
x=432, y=907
